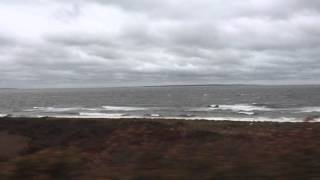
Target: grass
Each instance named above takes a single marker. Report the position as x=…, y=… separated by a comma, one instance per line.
x=131, y=149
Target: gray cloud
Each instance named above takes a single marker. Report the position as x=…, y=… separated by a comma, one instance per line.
x=141, y=42
x=6, y=41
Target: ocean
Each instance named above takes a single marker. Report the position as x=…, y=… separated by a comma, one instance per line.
x=216, y=102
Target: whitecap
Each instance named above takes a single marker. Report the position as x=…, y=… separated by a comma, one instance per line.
x=186, y=115
x=199, y=109
x=309, y=109
x=101, y=115
x=52, y=109
x=250, y=113
x=242, y=119
x=123, y=108
x=247, y=119
x=155, y=115
x=91, y=109
x=3, y=115
x=240, y=107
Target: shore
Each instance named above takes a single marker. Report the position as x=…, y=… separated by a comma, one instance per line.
x=69, y=148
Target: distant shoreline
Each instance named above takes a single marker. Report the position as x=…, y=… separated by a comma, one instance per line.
x=168, y=85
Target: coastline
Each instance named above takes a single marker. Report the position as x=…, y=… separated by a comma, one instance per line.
x=311, y=119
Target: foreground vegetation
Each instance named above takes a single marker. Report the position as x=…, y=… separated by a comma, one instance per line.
x=133, y=149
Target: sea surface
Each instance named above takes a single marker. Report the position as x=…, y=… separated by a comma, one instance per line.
x=219, y=102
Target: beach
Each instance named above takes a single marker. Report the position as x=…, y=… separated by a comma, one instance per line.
x=71, y=148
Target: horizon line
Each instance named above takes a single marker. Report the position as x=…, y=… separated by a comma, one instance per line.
x=164, y=85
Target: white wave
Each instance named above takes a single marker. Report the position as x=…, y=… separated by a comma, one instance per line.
x=200, y=109
x=153, y=115
x=123, y=108
x=91, y=109
x=186, y=115
x=3, y=115
x=87, y=115
x=309, y=109
x=250, y=113
x=86, y=109
x=52, y=109
x=240, y=107
x=316, y=120
x=101, y=115
x=21, y=116
x=248, y=119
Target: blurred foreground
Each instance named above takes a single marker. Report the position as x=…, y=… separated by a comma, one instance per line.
x=58, y=149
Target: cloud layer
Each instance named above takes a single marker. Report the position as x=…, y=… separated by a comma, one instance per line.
x=81, y=43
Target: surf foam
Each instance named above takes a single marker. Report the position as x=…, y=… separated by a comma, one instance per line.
x=3, y=115
x=246, y=113
x=309, y=109
x=101, y=115
x=52, y=109
x=123, y=108
x=124, y=116
x=240, y=107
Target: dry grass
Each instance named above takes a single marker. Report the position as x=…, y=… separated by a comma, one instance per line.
x=161, y=149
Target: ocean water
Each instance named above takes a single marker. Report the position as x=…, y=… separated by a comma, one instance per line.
x=221, y=102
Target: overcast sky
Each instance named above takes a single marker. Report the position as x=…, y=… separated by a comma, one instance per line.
x=85, y=43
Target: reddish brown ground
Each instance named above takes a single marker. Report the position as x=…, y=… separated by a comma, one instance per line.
x=58, y=149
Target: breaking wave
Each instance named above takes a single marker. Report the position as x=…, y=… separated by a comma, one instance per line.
x=249, y=113
x=123, y=108
x=62, y=109
x=3, y=115
x=153, y=115
x=88, y=115
x=240, y=107
x=52, y=109
x=309, y=109
x=101, y=115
